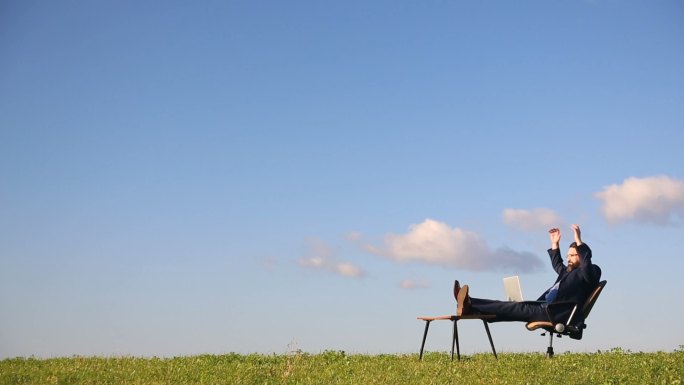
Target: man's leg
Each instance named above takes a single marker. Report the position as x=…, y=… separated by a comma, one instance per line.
x=509, y=311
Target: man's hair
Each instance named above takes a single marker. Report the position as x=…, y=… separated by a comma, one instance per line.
x=573, y=245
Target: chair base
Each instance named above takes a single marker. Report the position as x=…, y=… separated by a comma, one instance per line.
x=549, y=349
x=549, y=352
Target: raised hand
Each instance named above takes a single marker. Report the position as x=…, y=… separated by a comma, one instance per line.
x=578, y=234
x=555, y=236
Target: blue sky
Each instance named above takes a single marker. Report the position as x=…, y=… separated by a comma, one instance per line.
x=257, y=176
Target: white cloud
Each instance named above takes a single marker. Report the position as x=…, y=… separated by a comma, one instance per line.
x=532, y=220
x=434, y=242
x=410, y=284
x=347, y=269
x=321, y=257
x=353, y=236
x=315, y=262
x=657, y=199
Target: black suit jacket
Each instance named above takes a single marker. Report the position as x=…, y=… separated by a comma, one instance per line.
x=576, y=285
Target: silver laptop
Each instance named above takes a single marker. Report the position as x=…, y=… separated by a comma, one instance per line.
x=513, y=289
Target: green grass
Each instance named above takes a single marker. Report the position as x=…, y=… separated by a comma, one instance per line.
x=613, y=367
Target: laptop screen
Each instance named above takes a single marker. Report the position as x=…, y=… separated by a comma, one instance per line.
x=513, y=290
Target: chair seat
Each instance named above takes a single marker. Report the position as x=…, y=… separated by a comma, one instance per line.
x=539, y=325
x=456, y=317
x=441, y=317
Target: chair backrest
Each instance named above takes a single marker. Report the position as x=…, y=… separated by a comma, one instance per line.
x=592, y=298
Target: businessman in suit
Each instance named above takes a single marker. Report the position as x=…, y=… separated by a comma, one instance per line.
x=574, y=283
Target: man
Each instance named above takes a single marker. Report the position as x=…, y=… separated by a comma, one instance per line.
x=574, y=283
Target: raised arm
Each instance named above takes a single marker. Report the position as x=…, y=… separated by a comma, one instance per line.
x=555, y=236
x=578, y=234
x=554, y=251
x=588, y=272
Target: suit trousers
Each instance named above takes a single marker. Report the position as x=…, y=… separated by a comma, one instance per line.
x=511, y=311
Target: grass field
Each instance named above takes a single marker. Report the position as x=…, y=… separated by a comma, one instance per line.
x=613, y=367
